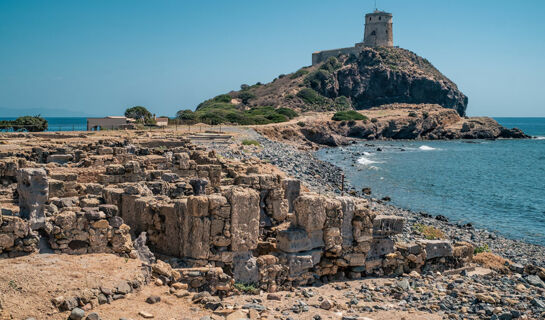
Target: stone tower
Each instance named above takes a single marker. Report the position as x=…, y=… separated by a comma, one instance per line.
x=378, y=29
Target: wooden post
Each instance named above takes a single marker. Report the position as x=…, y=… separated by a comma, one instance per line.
x=342, y=184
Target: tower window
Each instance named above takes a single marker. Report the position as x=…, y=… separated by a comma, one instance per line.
x=373, y=33
x=380, y=18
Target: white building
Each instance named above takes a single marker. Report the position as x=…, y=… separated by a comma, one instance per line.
x=110, y=123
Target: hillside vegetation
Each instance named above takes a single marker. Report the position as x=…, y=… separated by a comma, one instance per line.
x=377, y=76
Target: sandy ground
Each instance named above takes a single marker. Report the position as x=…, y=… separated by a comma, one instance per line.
x=171, y=307
x=27, y=284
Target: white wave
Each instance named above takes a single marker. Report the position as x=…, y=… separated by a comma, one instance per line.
x=426, y=148
x=539, y=138
x=366, y=161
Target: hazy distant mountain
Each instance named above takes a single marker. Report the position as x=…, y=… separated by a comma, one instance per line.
x=44, y=112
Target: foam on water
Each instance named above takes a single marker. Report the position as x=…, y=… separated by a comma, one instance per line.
x=539, y=138
x=426, y=148
x=366, y=161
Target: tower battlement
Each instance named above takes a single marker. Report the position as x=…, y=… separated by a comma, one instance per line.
x=378, y=30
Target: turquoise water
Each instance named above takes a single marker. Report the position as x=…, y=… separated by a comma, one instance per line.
x=498, y=185
x=62, y=123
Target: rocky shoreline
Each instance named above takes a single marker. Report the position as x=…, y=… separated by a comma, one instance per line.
x=325, y=177
x=507, y=288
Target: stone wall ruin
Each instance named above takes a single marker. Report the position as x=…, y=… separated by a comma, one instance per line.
x=200, y=212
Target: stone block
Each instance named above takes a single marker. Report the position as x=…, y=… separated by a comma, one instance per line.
x=384, y=225
x=195, y=232
x=380, y=248
x=268, y=182
x=333, y=240
x=245, y=269
x=348, y=207
x=310, y=212
x=298, y=240
x=299, y=263
x=292, y=190
x=59, y=158
x=436, y=248
x=197, y=206
x=355, y=259
x=33, y=190
x=245, y=214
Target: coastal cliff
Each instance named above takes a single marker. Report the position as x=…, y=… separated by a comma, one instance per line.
x=390, y=122
x=380, y=76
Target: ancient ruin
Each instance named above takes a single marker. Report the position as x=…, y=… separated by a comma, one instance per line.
x=216, y=221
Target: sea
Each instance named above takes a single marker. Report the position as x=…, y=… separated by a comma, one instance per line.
x=497, y=185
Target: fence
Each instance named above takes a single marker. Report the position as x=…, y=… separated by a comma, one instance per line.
x=173, y=124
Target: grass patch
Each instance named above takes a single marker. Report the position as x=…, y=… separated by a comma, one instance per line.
x=246, y=288
x=348, y=115
x=429, y=232
x=301, y=124
x=481, y=249
x=250, y=142
x=492, y=261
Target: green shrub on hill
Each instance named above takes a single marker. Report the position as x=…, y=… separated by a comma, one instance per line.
x=290, y=113
x=342, y=103
x=331, y=65
x=312, y=97
x=217, y=111
x=186, y=116
x=316, y=78
x=348, y=115
x=246, y=96
x=223, y=98
x=299, y=73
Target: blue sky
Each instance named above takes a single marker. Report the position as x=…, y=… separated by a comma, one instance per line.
x=99, y=57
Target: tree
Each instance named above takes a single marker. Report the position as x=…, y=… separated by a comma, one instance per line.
x=140, y=114
x=246, y=96
x=186, y=116
x=29, y=123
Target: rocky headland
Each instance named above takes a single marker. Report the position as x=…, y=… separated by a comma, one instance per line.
x=399, y=94
x=390, y=122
